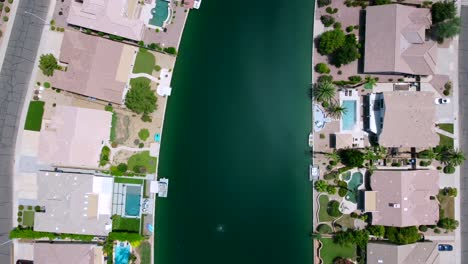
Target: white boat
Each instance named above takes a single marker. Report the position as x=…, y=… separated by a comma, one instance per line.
x=311, y=140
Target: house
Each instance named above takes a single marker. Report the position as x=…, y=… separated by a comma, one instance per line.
x=74, y=203
x=192, y=4
x=401, y=119
x=119, y=18
x=74, y=137
x=417, y=253
x=395, y=40
x=95, y=67
x=403, y=198
x=48, y=253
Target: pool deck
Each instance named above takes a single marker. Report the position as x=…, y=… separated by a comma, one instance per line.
x=346, y=206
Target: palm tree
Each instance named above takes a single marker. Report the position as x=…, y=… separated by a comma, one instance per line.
x=336, y=110
x=427, y=154
x=370, y=155
x=454, y=157
x=370, y=82
x=333, y=156
x=324, y=91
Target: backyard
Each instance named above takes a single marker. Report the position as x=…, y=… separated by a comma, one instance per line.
x=34, y=116
x=145, y=62
x=142, y=161
x=323, y=214
x=145, y=253
x=330, y=251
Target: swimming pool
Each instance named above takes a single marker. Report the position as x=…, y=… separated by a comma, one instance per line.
x=349, y=116
x=353, y=184
x=160, y=13
x=132, y=200
x=122, y=253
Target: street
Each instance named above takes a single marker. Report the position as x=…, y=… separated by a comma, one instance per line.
x=14, y=79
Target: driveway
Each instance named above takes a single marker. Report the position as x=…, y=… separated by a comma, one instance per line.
x=463, y=84
x=14, y=79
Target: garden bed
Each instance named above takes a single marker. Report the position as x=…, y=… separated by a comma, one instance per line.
x=34, y=116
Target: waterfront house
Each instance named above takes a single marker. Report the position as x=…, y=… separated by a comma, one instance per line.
x=401, y=119
x=48, y=253
x=417, y=253
x=95, y=67
x=403, y=198
x=74, y=137
x=74, y=203
x=396, y=43
x=119, y=18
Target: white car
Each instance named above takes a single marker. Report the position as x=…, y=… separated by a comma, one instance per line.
x=442, y=100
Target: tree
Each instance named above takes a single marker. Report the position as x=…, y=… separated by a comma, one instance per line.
x=324, y=91
x=370, y=82
x=327, y=20
x=442, y=11
x=333, y=208
x=321, y=186
x=322, y=68
x=447, y=29
x=452, y=157
x=143, y=134
x=382, y=2
x=122, y=167
x=427, y=154
x=352, y=157
x=324, y=229
x=377, y=230
x=358, y=237
x=47, y=64
x=336, y=110
x=171, y=50
x=347, y=53
x=322, y=3
x=448, y=223
x=331, y=189
x=333, y=156
x=330, y=41
x=402, y=235
x=140, y=98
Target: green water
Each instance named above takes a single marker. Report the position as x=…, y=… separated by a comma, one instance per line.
x=234, y=144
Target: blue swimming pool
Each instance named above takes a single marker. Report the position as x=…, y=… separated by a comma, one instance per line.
x=160, y=13
x=132, y=200
x=349, y=116
x=122, y=253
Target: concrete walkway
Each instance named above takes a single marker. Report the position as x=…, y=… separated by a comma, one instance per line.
x=445, y=133
x=138, y=75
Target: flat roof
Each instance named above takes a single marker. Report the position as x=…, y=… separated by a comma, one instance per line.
x=96, y=67
x=57, y=253
x=403, y=197
x=409, y=120
x=74, y=137
x=74, y=203
x=112, y=17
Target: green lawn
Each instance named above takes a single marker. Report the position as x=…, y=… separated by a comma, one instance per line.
x=28, y=218
x=346, y=221
x=34, y=116
x=142, y=159
x=446, y=127
x=127, y=180
x=125, y=224
x=445, y=141
x=145, y=253
x=144, y=79
x=144, y=62
x=330, y=251
x=323, y=215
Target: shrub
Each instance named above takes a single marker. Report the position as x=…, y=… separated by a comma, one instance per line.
x=322, y=68
x=352, y=157
x=331, y=176
x=332, y=162
x=7, y=9
x=342, y=184
x=19, y=219
x=157, y=67
x=377, y=230
x=327, y=20
x=109, y=108
x=146, y=118
x=437, y=230
x=446, y=92
x=141, y=145
x=46, y=85
x=396, y=164
x=37, y=208
x=333, y=208
x=342, y=192
x=325, y=78
x=449, y=169
x=122, y=167
x=104, y=158
x=322, y=3
x=448, y=224
x=322, y=136
x=439, y=167
x=382, y=2
x=48, y=63
x=10, y=1
x=403, y=235
x=20, y=213
x=325, y=104
x=329, y=10
x=143, y=134
x=141, y=43
x=331, y=189
x=337, y=25
x=422, y=228
x=330, y=41
x=171, y=50
x=349, y=29
x=340, y=72
x=21, y=207
x=30, y=207
x=355, y=78
x=5, y=18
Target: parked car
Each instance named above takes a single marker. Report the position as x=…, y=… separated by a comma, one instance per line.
x=442, y=100
x=445, y=247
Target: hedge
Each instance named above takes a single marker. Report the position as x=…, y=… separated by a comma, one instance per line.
x=324, y=229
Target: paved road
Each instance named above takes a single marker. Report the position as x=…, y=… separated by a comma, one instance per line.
x=14, y=78
x=463, y=83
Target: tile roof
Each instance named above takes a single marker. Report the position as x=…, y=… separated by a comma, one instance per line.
x=417, y=253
